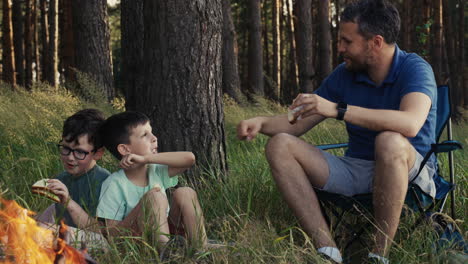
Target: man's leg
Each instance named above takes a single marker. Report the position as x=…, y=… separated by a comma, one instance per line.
x=394, y=157
x=296, y=167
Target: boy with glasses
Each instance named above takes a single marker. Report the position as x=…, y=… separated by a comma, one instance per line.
x=79, y=185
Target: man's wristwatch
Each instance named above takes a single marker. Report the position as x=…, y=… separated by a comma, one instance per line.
x=341, y=107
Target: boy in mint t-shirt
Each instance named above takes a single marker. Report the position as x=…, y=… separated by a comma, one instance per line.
x=134, y=198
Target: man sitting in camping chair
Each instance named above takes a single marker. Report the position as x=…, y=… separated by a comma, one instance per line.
x=387, y=98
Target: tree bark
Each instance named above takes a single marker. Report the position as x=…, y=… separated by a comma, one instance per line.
x=8, y=54
x=44, y=39
x=18, y=40
x=67, y=41
x=450, y=45
x=304, y=40
x=92, y=48
x=182, y=89
x=28, y=43
x=132, y=28
x=276, y=47
x=231, y=81
x=290, y=92
x=324, y=40
x=462, y=61
x=436, y=55
x=255, y=49
x=52, y=66
x=36, y=56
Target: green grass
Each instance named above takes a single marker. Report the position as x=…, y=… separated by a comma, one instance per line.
x=244, y=208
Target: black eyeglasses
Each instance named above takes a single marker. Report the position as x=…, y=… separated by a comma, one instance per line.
x=77, y=153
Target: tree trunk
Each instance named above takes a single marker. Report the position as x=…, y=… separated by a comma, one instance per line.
x=18, y=40
x=436, y=56
x=266, y=49
x=92, y=37
x=231, y=82
x=52, y=65
x=132, y=29
x=28, y=44
x=461, y=41
x=8, y=54
x=44, y=39
x=324, y=40
x=335, y=32
x=450, y=45
x=304, y=41
x=67, y=41
x=255, y=48
x=181, y=91
x=291, y=91
x=36, y=55
x=276, y=71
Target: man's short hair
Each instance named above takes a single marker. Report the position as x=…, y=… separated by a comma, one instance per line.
x=117, y=129
x=374, y=17
x=84, y=122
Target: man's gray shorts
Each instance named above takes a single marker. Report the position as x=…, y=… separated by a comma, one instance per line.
x=351, y=176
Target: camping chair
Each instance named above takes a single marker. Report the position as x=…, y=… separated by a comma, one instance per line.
x=416, y=199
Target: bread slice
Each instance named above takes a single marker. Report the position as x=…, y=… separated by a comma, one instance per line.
x=40, y=188
x=291, y=118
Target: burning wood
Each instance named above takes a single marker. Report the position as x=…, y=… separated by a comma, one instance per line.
x=23, y=241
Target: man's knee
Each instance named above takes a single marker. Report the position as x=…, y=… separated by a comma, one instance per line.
x=391, y=146
x=277, y=144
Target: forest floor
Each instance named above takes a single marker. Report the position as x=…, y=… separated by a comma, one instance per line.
x=243, y=210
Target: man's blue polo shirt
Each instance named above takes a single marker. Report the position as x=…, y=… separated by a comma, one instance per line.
x=408, y=73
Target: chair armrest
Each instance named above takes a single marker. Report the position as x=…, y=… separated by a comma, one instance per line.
x=332, y=146
x=446, y=146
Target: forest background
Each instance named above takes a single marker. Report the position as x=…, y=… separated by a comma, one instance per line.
x=196, y=68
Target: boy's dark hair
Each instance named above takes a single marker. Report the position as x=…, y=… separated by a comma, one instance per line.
x=116, y=129
x=84, y=122
x=374, y=17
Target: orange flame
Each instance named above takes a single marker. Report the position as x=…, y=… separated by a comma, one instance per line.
x=23, y=241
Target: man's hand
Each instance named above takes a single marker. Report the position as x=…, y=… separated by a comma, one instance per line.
x=130, y=160
x=248, y=129
x=313, y=104
x=60, y=190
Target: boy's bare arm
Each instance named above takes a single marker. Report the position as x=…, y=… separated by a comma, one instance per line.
x=78, y=215
x=81, y=218
x=177, y=162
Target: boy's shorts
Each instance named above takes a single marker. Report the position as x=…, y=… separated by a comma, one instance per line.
x=351, y=176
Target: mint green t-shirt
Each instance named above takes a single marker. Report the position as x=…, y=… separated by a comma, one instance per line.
x=119, y=195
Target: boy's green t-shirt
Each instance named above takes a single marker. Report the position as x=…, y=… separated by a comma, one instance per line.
x=84, y=190
x=119, y=195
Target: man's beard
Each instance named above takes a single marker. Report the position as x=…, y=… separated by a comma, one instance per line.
x=354, y=65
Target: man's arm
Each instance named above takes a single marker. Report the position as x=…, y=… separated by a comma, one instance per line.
x=270, y=126
x=408, y=120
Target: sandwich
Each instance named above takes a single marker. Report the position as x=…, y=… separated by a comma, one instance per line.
x=40, y=188
x=291, y=115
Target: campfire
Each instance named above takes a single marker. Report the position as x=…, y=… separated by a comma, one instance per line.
x=23, y=241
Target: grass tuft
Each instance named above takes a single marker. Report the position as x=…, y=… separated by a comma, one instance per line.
x=242, y=209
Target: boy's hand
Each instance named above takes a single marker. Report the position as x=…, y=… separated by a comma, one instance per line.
x=60, y=190
x=130, y=160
